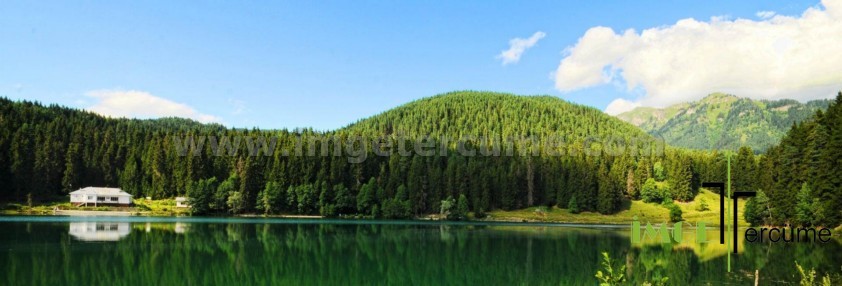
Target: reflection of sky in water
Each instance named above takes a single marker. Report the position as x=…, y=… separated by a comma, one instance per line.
x=99, y=231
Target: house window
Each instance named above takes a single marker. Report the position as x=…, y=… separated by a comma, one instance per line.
x=100, y=199
x=113, y=199
x=91, y=198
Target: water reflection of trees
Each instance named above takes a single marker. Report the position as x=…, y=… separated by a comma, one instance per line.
x=319, y=254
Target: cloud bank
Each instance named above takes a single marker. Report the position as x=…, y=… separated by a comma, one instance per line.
x=518, y=46
x=774, y=57
x=140, y=104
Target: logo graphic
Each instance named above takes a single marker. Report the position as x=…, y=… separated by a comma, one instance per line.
x=722, y=211
x=701, y=230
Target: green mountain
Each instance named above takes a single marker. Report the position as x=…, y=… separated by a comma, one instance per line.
x=473, y=113
x=722, y=121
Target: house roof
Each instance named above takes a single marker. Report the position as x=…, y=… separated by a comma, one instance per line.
x=101, y=191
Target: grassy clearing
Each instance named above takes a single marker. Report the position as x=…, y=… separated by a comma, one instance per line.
x=163, y=207
x=645, y=212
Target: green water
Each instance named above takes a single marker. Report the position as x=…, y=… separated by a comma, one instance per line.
x=178, y=251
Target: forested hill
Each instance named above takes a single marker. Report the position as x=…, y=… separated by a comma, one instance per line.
x=721, y=121
x=494, y=114
x=802, y=174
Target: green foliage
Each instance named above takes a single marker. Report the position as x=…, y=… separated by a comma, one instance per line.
x=649, y=193
x=345, y=203
x=573, y=205
x=681, y=179
x=804, y=207
x=675, y=213
x=303, y=198
x=660, y=174
x=200, y=195
x=757, y=209
x=396, y=209
x=220, y=198
x=608, y=276
x=454, y=209
x=609, y=190
x=654, y=192
x=702, y=206
x=271, y=200
x=480, y=213
x=367, y=197
x=461, y=212
x=236, y=202
x=808, y=278
x=743, y=171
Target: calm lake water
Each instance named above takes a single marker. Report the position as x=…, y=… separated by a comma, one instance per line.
x=210, y=251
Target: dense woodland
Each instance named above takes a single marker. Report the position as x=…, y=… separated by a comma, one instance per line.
x=46, y=152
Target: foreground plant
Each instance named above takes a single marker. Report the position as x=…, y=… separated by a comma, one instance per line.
x=610, y=277
x=808, y=278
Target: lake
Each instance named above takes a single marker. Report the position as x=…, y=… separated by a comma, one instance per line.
x=51, y=250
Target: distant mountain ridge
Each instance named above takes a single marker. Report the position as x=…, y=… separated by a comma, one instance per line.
x=723, y=121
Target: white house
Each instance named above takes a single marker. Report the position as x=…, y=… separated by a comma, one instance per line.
x=100, y=196
x=182, y=202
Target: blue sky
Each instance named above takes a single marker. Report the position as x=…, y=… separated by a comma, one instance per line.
x=321, y=64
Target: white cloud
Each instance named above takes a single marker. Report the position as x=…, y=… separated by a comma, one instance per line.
x=776, y=57
x=517, y=46
x=620, y=105
x=140, y=104
x=765, y=14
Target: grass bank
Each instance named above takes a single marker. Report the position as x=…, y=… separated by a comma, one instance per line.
x=645, y=212
x=162, y=207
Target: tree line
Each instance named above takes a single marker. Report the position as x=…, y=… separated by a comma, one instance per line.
x=48, y=151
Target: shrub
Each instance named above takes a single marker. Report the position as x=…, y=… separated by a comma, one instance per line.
x=649, y=193
x=675, y=213
x=702, y=206
x=480, y=214
x=808, y=277
x=665, y=192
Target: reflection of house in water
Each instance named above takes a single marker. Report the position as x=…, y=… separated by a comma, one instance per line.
x=177, y=227
x=99, y=231
x=181, y=227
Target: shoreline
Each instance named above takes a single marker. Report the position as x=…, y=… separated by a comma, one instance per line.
x=430, y=219
x=423, y=219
